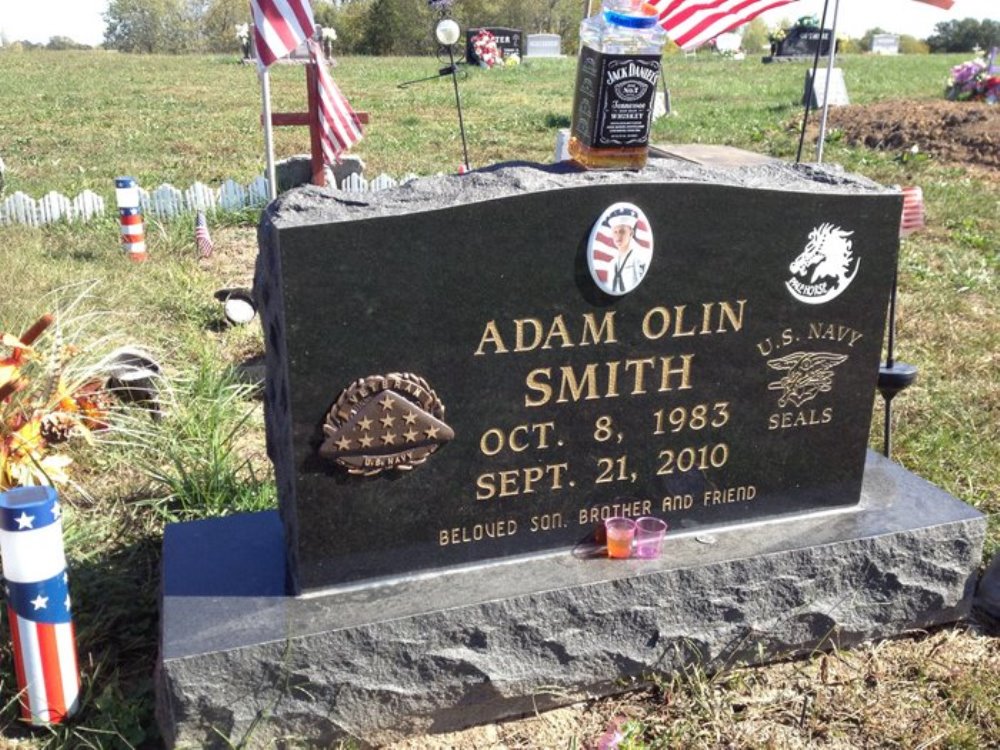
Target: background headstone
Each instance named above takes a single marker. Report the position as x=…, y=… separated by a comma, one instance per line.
x=509, y=42
x=544, y=45
x=885, y=44
x=802, y=42
x=815, y=90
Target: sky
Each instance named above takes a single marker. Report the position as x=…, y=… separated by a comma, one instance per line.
x=38, y=20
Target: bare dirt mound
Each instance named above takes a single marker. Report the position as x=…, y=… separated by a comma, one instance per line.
x=962, y=132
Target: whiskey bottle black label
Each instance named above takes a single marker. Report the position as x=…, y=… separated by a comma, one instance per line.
x=614, y=94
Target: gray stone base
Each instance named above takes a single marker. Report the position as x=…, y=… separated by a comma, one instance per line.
x=437, y=653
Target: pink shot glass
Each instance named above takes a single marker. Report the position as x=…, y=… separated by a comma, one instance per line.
x=620, y=532
x=649, y=533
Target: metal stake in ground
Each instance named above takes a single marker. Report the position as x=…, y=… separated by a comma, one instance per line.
x=447, y=33
x=894, y=376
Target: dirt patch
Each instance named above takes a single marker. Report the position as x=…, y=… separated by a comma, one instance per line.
x=961, y=132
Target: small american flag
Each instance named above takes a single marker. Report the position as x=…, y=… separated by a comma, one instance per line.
x=38, y=604
x=279, y=26
x=691, y=23
x=339, y=127
x=913, y=211
x=201, y=236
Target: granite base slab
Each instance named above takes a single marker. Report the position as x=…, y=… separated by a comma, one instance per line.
x=241, y=661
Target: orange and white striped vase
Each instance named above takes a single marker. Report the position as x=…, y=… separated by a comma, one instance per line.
x=130, y=218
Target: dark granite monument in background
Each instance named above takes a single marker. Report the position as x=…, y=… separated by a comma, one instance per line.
x=801, y=43
x=466, y=375
x=510, y=42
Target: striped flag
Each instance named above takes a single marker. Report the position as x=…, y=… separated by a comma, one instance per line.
x=691, y=23
x=942, y=4
x=279, y=26
x=339, y=127
x=38, y=604
x=913, y=211
x=201, y=236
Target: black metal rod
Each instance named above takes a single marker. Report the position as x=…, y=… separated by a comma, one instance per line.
x=458, y=104
x=808, y=96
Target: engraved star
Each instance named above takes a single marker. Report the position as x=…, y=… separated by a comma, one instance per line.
x=344, y=444
x=389, y=438
x=410, y=418
x=366, y=441
x=40, y=602
x=387, y=421
x=365, y=424
x=24, y=521
x=432, y=432
x=410, y=435
x=386, y=403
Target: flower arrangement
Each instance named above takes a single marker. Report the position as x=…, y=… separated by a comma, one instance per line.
x=484, y=45
x=971, y=81
x=44, y=402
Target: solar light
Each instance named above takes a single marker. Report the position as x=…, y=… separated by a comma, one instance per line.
x=447, y=32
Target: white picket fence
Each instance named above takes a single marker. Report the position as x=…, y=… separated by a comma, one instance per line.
x=165, y=202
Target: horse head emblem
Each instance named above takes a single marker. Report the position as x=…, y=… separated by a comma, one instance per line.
x=825, y=267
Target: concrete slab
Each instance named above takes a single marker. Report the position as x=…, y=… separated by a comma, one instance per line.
x=439, y=651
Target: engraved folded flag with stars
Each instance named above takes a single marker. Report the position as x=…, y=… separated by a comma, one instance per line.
x=38, y=604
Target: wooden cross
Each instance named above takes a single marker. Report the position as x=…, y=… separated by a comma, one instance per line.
x=311, y=119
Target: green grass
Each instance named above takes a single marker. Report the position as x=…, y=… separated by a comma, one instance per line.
x=74, y=120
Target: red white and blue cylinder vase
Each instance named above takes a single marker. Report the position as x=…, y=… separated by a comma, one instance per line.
x=38, y=604
x=130, y=218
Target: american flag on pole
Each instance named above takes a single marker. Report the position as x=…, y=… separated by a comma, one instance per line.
x=201, y=236
x=38, y=604
x=691, y=23
x=279, y=26
x=339, y=127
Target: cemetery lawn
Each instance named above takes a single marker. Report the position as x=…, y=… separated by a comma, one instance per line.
x=75, y=120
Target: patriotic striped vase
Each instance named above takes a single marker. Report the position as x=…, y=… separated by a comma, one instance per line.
x=130, y=218
x=38, y=604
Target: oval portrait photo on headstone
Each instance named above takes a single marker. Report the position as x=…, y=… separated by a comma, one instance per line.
x=620, y=249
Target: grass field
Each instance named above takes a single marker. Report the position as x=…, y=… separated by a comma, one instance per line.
x=75, y=120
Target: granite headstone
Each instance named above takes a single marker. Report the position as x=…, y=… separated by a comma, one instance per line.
x=802, y=42
x=404, y=306
x=451, y=386
x=510, y=42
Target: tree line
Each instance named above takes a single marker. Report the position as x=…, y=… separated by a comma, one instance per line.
x=406, y=27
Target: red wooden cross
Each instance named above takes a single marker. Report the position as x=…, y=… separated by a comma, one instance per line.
x=311, y=118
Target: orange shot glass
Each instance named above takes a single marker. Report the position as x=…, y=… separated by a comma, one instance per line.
x=620, y=533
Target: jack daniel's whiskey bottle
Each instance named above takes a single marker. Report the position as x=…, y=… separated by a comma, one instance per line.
x=616, y=79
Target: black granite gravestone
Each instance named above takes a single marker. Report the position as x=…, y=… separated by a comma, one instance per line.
x=452, y=386
x=448, y=383
x=802, y=42
x=509, y=42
